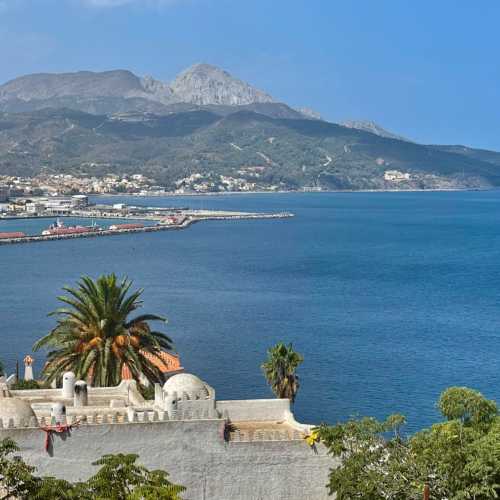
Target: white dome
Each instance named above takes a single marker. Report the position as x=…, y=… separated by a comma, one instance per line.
x=185, y=382
x=15, y=408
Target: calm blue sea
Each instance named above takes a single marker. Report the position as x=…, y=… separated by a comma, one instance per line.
x=390, y=297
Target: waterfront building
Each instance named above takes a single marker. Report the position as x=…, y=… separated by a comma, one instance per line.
x=4, y=193
x=59, y=206
x=224, y=450
x=54, y=206
x=80, y=201
x=35, y=207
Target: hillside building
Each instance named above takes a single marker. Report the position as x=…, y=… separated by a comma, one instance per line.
x=396, y=176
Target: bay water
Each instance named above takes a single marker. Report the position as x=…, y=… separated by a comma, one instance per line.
x=390, y=297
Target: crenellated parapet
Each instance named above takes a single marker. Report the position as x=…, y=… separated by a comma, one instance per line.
x=108, y=417
x=249, y=436
x=184, y=397
x=18, y=423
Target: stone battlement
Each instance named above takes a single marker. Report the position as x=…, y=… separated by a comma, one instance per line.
x=117, y=417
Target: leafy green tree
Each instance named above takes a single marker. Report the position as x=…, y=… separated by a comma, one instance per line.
x=95, y=336
x=119, y=478
x=372, y=465
x=18, y=482
x=2, y=371
x=466, y=405
x=459, y=458
x=280, y=370
x=462, y=455
x=16, y=477
x=50, y=488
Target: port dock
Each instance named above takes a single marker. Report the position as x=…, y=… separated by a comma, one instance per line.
x=191, y=217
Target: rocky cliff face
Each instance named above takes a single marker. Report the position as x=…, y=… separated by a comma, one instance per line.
x=200, y=84
x=121, y=91
x=157, y=90
x=119, y=83
x=205, y=84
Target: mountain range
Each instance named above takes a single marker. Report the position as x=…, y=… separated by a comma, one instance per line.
x=122, y=91
x=211, y=125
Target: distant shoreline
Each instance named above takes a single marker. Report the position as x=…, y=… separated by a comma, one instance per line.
x=330, y=191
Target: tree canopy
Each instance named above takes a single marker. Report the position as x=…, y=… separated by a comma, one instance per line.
x=95, y=336
x=280, y=370
x=458, y=458
x=119, y=478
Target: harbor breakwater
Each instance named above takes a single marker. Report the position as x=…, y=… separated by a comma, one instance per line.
x=192, y=219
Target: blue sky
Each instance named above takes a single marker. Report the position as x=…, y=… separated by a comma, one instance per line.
x=425, y=69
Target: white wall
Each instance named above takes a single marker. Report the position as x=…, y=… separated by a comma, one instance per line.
x=254, y=409
x=194, y=453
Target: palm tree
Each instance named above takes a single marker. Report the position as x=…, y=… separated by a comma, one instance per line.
x=95, y=338
x=279, y=370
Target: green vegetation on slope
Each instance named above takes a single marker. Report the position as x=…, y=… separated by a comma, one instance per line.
x=289, y=153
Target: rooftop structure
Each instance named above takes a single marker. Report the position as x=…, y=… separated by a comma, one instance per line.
x=245, y=449
x=168, y=363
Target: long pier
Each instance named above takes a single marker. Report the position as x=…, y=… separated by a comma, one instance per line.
x=191, y=219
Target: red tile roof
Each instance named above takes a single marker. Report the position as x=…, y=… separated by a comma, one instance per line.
x=165, y=361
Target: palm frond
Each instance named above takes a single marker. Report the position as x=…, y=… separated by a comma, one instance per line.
x=92, y=329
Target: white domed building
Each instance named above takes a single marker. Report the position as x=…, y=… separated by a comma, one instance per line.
x=218, y=449
x=185, y=391
x=14, y=411
x=187, y=383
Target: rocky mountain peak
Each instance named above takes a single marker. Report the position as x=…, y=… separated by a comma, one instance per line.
x=157, y=90
x=201, y=84
x=206, y=84
x=82, y=83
